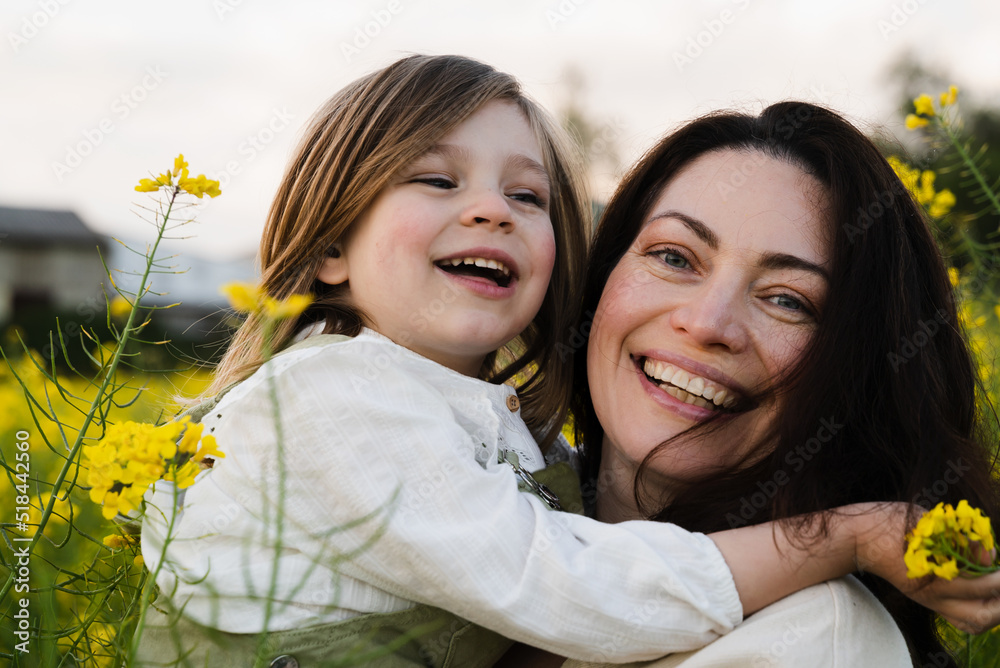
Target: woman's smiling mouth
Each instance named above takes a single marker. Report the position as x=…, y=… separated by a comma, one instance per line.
x=687, y=387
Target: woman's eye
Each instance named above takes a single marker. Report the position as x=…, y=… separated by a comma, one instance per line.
x=675, y=260
x=790, y=303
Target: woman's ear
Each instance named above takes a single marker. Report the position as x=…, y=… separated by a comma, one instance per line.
x=333, y=271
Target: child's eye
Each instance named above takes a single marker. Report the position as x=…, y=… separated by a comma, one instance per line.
x=529, y=198
x=436, y=182
x=672, y=259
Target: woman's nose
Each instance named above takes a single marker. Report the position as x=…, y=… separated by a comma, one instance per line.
x=488, y=207
x=713, y=315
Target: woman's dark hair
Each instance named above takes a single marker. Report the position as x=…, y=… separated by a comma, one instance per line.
x=883, y=404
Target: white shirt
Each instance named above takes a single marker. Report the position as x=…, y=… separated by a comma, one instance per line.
x=393, y=496
x=836, y=624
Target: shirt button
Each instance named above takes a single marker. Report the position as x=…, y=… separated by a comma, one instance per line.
x=284, y=661
x=513, y=403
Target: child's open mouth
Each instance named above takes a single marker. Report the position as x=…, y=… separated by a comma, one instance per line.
x=477, y=267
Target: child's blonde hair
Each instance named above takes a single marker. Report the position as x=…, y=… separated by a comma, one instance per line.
x=352, y=147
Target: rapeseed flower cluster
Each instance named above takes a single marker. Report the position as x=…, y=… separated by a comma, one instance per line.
x=937, y=203
x=250, y=298
x=198, y=186
x=942, y=543
x=134, y=455
x=923, y=105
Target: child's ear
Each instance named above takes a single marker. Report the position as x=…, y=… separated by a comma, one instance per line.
x=333, y=271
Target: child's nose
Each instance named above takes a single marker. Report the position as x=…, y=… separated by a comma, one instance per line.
x=488, y=207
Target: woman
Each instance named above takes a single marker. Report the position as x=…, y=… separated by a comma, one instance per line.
x=744, y=364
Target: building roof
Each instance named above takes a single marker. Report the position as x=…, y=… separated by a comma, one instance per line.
x=34, y=227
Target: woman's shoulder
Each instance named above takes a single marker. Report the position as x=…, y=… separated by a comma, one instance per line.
x=838, y=623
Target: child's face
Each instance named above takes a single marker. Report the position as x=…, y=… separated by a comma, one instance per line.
x=453, y=258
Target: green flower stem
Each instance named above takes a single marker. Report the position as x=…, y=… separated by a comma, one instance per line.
x=149, y=584
x=100, y=397
x=969, y=162
x=266, y=353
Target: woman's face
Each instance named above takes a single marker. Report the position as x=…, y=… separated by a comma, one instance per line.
x=719, y=293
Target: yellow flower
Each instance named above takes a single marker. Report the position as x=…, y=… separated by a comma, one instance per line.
x=925, y=193
x=132, y=456
x=291, y=307
x=947, y=571
x=243, y=297
x=953, y=276
x=923, y=105
x=921, y=186
x=941, y=204
x=138, y=561
x=913, y=122
x=151, y=185
x=941, y=543
x=117, y=541
x=249, y=298
x=996, y=309
x=120, y=307
x=199, y=186
x=189, y=441
x=183, y=476
x=179, y=164
x=208, y=448
x=949, y=97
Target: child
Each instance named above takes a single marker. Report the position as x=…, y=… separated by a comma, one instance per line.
x=435, y=213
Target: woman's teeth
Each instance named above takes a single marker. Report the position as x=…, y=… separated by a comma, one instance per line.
x=687, y=387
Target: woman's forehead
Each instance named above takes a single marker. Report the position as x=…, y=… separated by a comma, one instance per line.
x=749, y=200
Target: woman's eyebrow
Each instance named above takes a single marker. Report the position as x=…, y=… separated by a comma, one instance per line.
x=768, y=260
x=700, y=229
x=786, y=261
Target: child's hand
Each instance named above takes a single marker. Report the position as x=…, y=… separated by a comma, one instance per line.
x=970, y=603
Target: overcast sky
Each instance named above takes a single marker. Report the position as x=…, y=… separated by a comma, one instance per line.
x=97, y=93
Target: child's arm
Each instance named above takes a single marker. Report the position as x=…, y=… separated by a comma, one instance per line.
x=460, y=537
x=767, y=565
